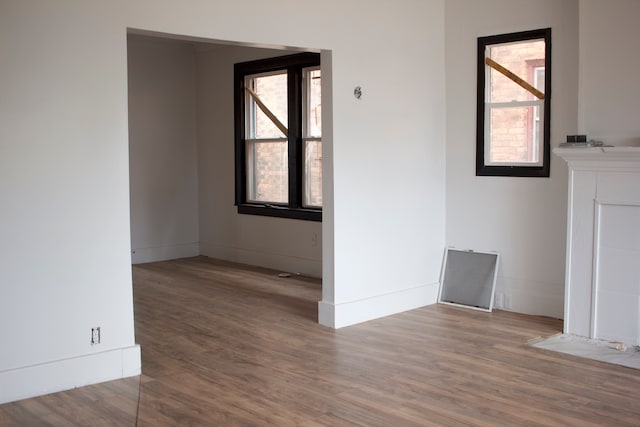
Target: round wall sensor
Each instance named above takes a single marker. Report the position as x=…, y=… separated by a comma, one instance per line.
x=357, y=92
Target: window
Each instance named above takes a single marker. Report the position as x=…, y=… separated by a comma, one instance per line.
x=514, y=89
x=278, y=144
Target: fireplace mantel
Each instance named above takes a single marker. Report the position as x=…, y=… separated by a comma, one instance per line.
x=600, y=157
x=602, y=285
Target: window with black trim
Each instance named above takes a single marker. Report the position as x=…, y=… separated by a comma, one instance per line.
x=513, y=109
x=278, y=142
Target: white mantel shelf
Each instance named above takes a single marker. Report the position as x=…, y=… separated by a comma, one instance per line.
x=578, y=157
x=602, y=284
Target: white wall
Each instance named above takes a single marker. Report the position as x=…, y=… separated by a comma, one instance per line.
x=64, y=167
x=388, y=157
x=163, y=154
x=524, y=219
x=65, y=264
x=609, y=68
x=284, y=244
x=387, y=161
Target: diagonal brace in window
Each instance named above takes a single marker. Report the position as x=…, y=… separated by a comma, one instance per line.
x=516, y=79
x=268, y=112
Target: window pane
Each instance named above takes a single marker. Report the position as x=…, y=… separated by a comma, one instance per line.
x=313, y=104
x=539, y=78
x=272, y=91
x=267, y=168
x=514, y=81
x=521, y=59
x=312, y=193
x=514, y=135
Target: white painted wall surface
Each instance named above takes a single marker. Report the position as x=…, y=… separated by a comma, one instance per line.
x=284, y=244
x=388, y=156
x=163, y=154
x=64, y=166
x=65, y=263
x=524, y=219
x=609, y=64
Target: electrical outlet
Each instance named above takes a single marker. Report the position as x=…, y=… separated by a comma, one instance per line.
x=95, y=335
x=314, y=240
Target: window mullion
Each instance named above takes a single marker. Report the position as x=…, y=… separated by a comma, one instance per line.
x=240, y=136
x=295, y=131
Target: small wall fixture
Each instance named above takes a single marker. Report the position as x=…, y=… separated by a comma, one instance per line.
x=357, y=92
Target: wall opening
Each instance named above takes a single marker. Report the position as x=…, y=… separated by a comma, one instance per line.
x=181, y=159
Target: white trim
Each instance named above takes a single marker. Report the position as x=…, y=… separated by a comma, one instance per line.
x=595, y=287
x=164, y=253
x=514, y=104
x=567, y=324
x=60, y=375
x=352, y=312
x=326, y=314
x=268, y=259
x=615, y=159
x=595, y=265
x=598, y=177
x=264, y=140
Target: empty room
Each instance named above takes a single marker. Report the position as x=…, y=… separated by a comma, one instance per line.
x=236, y=213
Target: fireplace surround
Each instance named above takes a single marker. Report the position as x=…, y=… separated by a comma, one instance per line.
x=602, y=283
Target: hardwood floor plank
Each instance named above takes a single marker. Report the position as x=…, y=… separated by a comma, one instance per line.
x=225, y=344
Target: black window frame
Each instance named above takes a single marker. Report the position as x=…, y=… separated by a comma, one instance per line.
x=294, y=65
x=513, y=170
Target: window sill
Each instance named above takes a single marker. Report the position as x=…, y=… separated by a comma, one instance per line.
x=514, y=171
x=281, y=212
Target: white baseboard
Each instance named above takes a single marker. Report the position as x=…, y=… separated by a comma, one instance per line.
x=164, y=253
x=60, y=375
x=282, y=262
x=349, y=313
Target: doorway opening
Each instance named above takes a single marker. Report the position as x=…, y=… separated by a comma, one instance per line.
x=181, y=151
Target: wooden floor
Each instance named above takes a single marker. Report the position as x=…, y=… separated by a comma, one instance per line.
x=227, y=345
